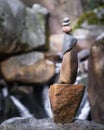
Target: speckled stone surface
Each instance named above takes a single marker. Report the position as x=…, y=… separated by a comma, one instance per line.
x=47, y=124
x=65, y=100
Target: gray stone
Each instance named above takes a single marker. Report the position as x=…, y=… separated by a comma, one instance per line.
x=84, y=37
x=47, y=124
x=69, y=42
x=56, y=41
x=22, y=28
x=84, y=54
x=95, y=30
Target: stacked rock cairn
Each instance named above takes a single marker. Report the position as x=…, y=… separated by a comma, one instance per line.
x=65, y=96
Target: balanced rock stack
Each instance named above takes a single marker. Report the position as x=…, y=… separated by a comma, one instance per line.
x=65, y=97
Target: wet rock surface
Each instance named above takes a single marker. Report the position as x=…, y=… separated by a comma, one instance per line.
x=47, y=124
x=65, y=100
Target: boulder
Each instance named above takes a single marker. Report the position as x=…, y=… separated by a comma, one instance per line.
x=65, y=100
x=95, y=30
x=56, y=41
x=47, y=124
x=84, y=38
x=58, y=10
x=28, y=68
x=83, y=60
x=21, y=28
x=96, y=80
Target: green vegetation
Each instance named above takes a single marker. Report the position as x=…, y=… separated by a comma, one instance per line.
x=95, y=17
x=91, y=4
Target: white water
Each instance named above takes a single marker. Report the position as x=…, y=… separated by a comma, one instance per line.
x=21, y=108
x=57, y=68
x=46, y=101
x=84, y=108
x=84, y=111
x=5, y=92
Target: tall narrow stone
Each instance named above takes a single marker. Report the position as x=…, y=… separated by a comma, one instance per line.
x=69, y=67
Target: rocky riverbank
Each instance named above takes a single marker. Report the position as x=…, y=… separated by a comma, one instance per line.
x=47, y=124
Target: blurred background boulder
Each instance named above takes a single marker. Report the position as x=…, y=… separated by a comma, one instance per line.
x=22, y=29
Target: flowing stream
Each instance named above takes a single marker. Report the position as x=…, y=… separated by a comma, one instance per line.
x=46, y=101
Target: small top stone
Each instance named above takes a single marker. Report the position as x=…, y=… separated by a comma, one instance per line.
x=66, y=21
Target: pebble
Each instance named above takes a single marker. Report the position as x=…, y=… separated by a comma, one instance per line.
x=66, y=29
x=66, y=21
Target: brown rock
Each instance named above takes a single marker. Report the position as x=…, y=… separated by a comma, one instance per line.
x=69, y=67
x=52, y=56
x=65, y=100
x=96, y=81
x=29, y=68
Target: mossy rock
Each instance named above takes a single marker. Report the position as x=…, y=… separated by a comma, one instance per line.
x=95, y=17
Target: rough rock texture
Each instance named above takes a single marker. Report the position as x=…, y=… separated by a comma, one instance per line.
x=69, y=67
x=29, y=68
x=65, y=100
x=21, y=28
x=47, y=124
x=96, y=80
